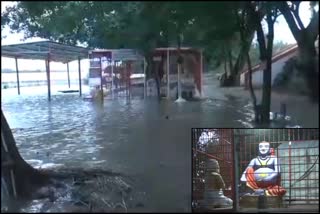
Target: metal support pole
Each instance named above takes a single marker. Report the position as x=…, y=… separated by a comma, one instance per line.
x=168, y=74
x=17, y=70
x=68, y=74
x=201, y=71
x=101, y=85
x=179, y=85
x=144, y=78
x=13, y=181
x=289, y=172
x=130, y=69
x=79, y=70
x=180, y=99
x=48, y=77
x=126, y=78
x=236, y=150
x=112, y=77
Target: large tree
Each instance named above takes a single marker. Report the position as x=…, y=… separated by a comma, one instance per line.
x=305, y=37
x=250, y=18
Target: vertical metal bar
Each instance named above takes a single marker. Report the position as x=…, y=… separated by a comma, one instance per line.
x=48, y=77
x=112, y=75
x=127, y=80
x=101, y=86
x=130, y=69
x=68, y=74
x=201, y=71
x=236, y=151
x=308, y=164
x=289, y=168
x=17, y=70
x=79, y=70
x=145, y=79
x=13, y=184
x=179, y=85
x=168, y=74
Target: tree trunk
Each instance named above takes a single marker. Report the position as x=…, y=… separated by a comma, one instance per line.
x=245, y=55
x=305, y=38
x=148, y=58
x=267, y=72
x=18, y=175
x=229, y=56
x=307, y=66
x=157, y=78
x=241, y=59
x=256, y=109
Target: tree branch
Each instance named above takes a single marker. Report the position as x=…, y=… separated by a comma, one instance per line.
x=313, y=26
x=260, y=35
x=297, y=17
x=275, y=16
x=270, y=34
x=285, y=10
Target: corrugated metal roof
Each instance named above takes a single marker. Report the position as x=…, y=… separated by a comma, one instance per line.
x=41, y=50
x=118, y=54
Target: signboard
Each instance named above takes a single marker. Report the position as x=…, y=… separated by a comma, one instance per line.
x=126, y=54
x=94, y=82
x=94, y=72
x=157, y=58
x=101, y=53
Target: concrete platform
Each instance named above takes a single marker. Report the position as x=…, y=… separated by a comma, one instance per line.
x=254, y=201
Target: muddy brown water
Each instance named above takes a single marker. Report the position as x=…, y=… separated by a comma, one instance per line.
x=142, y=138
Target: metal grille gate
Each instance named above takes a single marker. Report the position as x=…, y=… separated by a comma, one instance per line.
x=296, y=149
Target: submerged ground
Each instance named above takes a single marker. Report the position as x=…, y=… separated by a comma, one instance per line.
x=147, y=142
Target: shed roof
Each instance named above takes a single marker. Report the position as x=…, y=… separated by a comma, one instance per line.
x=41, y=50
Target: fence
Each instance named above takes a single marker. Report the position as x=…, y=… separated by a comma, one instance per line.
x=223, y=147
x=297, y=153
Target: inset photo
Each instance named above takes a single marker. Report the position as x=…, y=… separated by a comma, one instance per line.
x=252, y=170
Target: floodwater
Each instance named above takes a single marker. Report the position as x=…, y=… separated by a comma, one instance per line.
x=144, y=139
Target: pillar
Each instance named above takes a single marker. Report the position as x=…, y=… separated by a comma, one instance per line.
x=48, y=77
x=112, y=77
x=79, y=71
x=68, y=74
x=17, y=70
x=168, y=74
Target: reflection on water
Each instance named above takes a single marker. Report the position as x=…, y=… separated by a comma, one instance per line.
x=134, y=137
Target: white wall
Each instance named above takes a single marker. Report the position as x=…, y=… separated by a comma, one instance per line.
x=257, y=76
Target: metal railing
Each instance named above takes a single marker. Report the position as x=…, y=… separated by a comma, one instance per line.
x=297, y=151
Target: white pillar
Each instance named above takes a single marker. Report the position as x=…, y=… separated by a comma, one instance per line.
x=168, y=74
x=180, y=99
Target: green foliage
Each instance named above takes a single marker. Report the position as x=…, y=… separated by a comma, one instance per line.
x=140, y=25
x=282, y=79
x=212, y=26
x=290, y=78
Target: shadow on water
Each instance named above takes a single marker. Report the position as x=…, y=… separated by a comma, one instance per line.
x=145, y=139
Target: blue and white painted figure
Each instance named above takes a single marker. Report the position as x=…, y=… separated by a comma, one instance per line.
x=263, y=172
